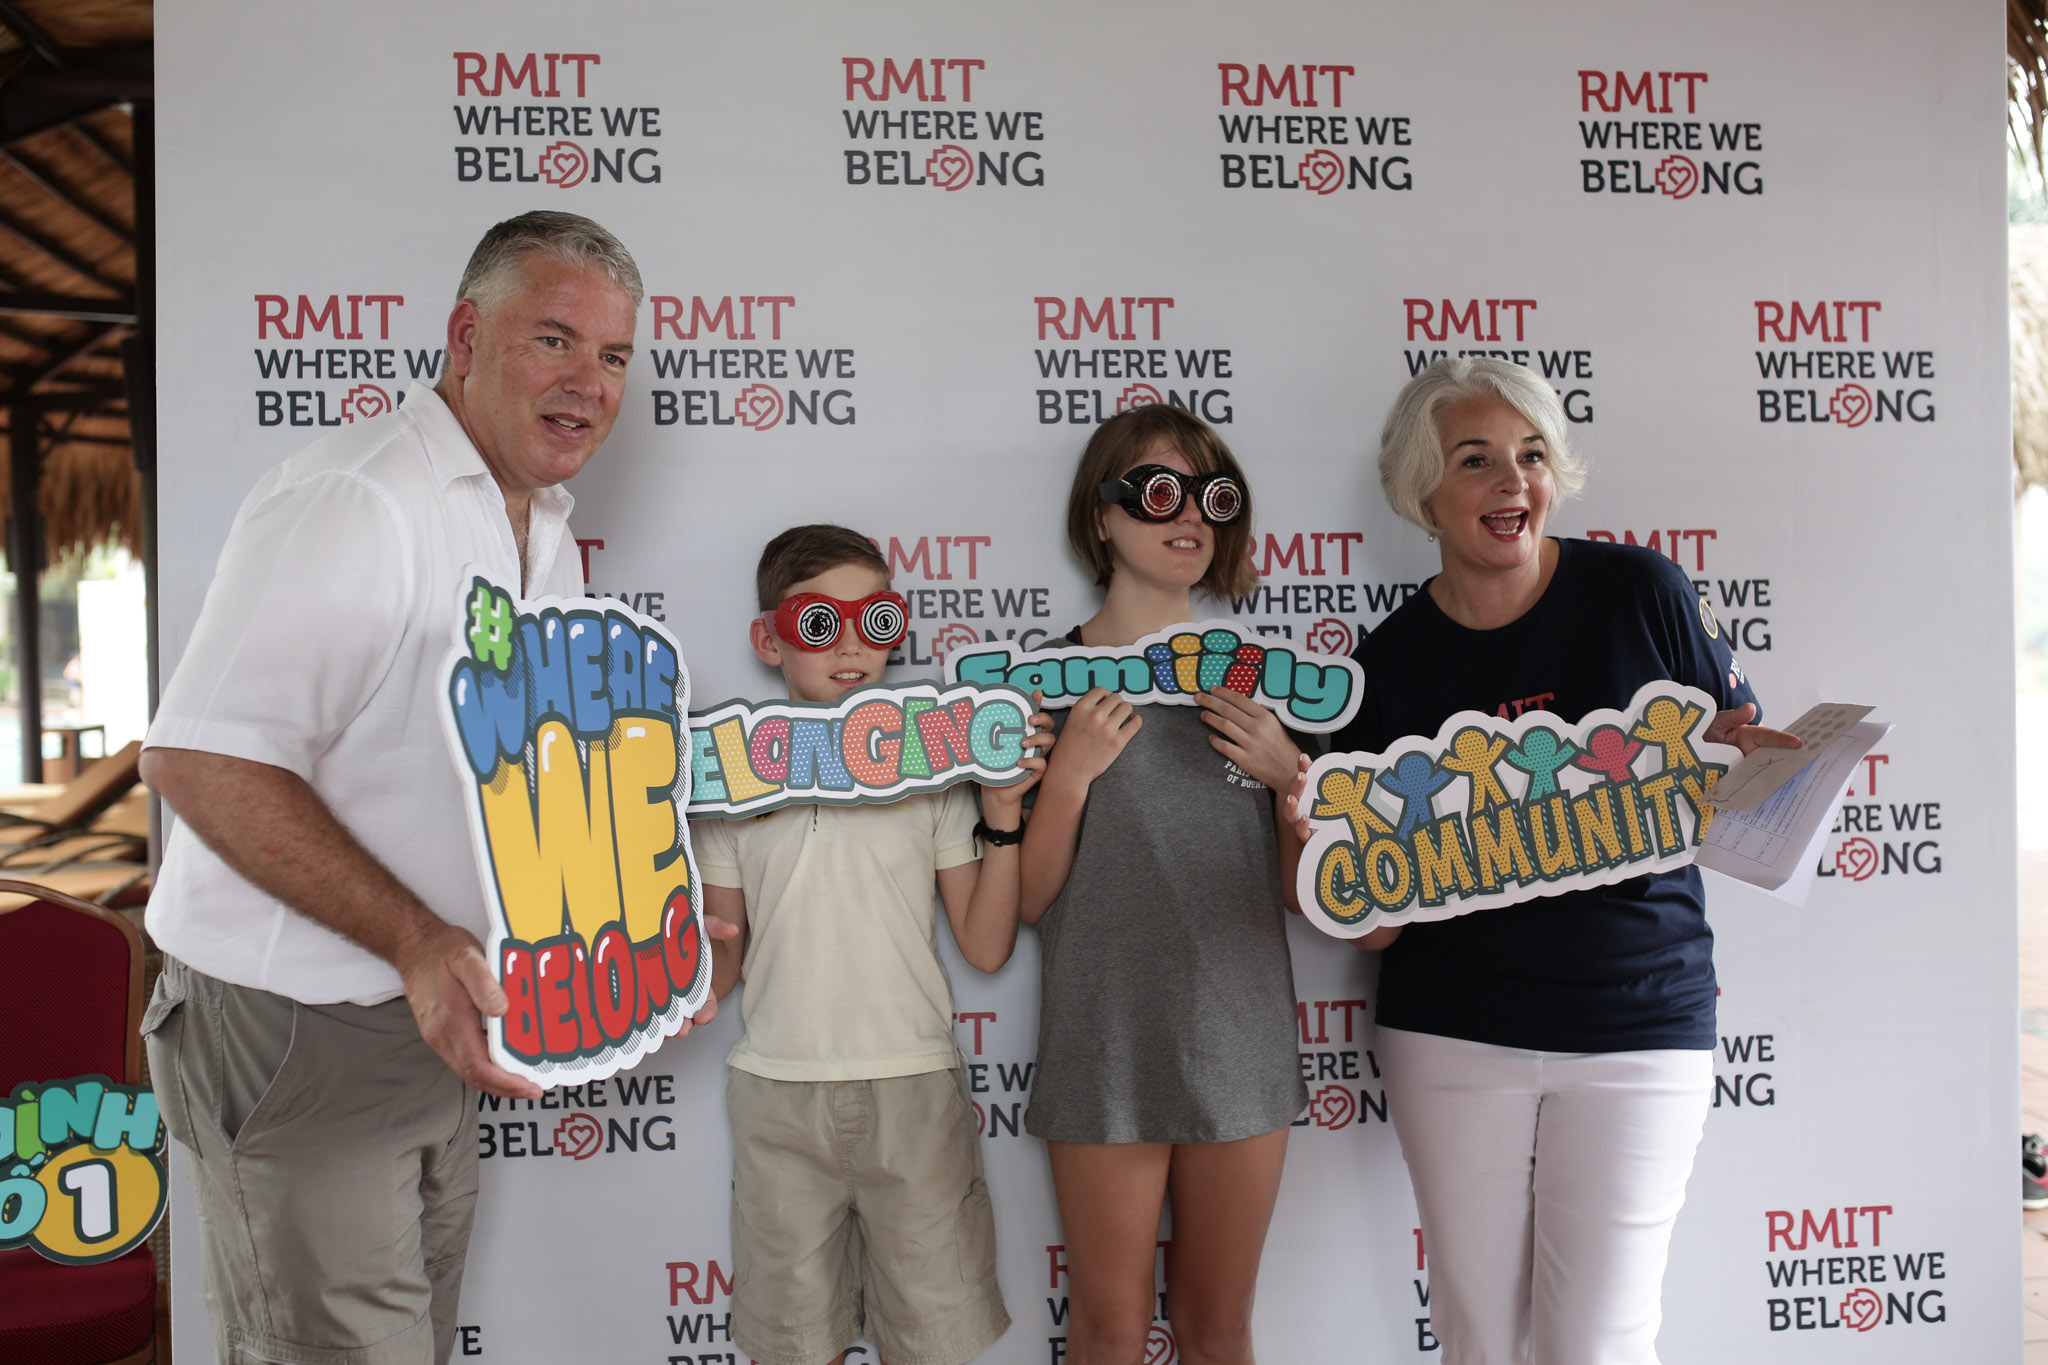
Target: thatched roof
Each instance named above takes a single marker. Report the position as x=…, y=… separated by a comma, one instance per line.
x=2028, y=256
x=70, y=71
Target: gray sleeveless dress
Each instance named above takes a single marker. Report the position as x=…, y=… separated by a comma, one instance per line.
x=1168, y=996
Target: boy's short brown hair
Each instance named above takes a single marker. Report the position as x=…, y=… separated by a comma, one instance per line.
x=1123, y=442
x=805, y=552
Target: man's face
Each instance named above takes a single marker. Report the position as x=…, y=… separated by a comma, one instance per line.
x=543, y=374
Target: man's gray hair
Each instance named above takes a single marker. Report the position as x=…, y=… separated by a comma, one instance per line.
x=1412, y=448
x=568, y=237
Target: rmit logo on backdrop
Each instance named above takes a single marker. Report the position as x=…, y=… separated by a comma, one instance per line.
x=755, y=394
x=315, y=320
x=1122, y=318
x=949, y=159
x=1330, y=164
x=549, y=139
x=1831, y=340
x=1659, y=112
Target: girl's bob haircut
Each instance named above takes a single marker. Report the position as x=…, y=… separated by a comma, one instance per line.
x=1126, y=440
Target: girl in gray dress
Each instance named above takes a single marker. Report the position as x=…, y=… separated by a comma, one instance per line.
x=1166, y=1056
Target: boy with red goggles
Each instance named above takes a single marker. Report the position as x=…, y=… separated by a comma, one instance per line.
x=812, y=621
x=848, y=1011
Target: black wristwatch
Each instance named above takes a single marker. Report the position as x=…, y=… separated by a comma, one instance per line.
x=1001, y=838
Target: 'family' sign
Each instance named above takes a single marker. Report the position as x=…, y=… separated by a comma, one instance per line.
x=569, y=725
x=876, y=744
x=1491, y=812
x=1312, y=692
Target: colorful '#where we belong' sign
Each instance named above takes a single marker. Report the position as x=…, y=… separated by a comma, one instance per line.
x=876, y=744
x=1491, y=812
x=569, y=724
x=81, y=1168
x=1312, y=692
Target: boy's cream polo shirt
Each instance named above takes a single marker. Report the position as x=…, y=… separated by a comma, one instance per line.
x=842, y=978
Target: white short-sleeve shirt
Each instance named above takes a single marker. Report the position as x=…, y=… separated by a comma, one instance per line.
x=318, y=650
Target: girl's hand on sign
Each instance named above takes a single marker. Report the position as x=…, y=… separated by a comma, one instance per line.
x=1097, y=729
x=1295, y=804
x=1003, y=807
x=1250, y=736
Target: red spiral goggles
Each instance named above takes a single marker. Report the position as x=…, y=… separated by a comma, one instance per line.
x=812, y=621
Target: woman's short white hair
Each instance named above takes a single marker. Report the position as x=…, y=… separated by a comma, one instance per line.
x=1412, y=448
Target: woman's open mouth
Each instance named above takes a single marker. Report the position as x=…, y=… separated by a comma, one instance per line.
x=1506, y=525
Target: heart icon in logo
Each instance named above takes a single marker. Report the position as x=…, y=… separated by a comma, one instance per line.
x=955, y=636
x=564, y=164
x=1862, y=1309
x=1159, y=1347
x=760, y=406
x=950, y=167
x=579, y=1136
x=365, y=400
x=1329, y=636
x=1850, y=405
x=1321, y=172
x=1677, y=176
x=1137, y=396
x=1334, y=1107
x=1856, y=859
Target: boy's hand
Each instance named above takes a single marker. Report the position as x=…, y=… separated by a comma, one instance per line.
x=1097, y=729
x=717, y=929
x=1250, y=736
x=1003, y=807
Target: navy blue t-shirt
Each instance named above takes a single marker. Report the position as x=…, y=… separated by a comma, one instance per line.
x=1612, y=968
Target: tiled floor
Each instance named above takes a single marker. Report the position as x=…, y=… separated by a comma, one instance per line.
x=2034, y=1084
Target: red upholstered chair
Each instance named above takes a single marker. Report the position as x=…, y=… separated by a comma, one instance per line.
x=77, y=1009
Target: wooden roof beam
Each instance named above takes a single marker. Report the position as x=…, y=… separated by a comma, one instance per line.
x=122, y=442
x=15, y=330
x=41, y=180
x=90, y=398
x=26, y=378
x=40, y=97
x=31, y=33
x=73, y=308
x=111, y=75
x=56, y=251
x=106, y=150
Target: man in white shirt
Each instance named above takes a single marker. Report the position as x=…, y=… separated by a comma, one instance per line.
x=318, y=1021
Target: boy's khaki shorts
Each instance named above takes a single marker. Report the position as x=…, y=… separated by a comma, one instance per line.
x=859, y=1210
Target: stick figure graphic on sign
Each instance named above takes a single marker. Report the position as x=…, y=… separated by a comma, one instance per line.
x=1471, y=754
x=1414, y=779
x=1541, y=755
x=1609, y=752
x=1664, y=724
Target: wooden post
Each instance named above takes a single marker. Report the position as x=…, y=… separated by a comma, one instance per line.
x=138, y=362
x=25, y=554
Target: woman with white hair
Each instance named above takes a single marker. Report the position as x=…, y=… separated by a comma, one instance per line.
x=1549, y=1064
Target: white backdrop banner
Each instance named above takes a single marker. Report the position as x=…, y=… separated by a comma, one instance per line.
x=901, y=257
